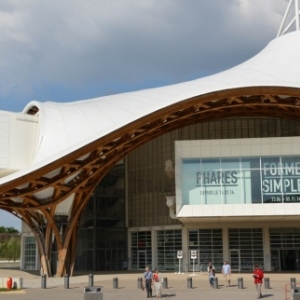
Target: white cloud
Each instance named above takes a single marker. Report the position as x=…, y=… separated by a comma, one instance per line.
x=81, y=43
x=121, y=44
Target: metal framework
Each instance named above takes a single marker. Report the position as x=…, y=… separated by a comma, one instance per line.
x=295, y=20
x=88, y=165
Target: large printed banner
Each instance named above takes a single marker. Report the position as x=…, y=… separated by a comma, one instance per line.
x=209, y=184
x=238, y=181
x=281, y=181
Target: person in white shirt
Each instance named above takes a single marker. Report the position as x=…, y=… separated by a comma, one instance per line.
x=226, y=271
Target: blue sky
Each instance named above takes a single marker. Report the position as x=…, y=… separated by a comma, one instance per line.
x=73, y=49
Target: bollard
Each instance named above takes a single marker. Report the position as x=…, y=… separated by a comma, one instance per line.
x=293, y=283
x=91, y=280
x=66, y=281
x=267, y=283
x=165, y=283
x=215, y=283
x=43, y=281
x=240, y=283
x=139, y=282
x=115, y=282
x=189, y=283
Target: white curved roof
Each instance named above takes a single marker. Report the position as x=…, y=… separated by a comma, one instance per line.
x=65, y=127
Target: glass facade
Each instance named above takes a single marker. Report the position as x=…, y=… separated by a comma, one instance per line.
x=208, y=244
x=280, y=179
x=30, y=253
x=102, y=236
x=150, y=177
x=168, y=243
x=235, y=180
x=141, y=250
x=246, y=248
x=285, y=249
x=149, y=173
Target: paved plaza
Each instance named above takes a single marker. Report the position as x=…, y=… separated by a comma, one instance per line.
x=178, y=286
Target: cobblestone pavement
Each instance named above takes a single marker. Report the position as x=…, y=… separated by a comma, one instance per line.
x=178, y=287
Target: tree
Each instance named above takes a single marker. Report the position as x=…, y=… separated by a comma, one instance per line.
x=8, y=230
x=10, y=243
x=13, y=249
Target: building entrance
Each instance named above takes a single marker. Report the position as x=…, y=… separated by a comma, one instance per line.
x=285, y=249
x=142, y=260
x=235, y=260
x=286, y=260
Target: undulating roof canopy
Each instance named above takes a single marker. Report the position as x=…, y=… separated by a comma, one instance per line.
x=66, y=127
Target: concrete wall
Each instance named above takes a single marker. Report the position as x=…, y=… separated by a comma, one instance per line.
x=17, y=283
x=10, y=264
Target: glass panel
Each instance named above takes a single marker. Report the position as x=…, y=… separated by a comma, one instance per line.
x=30, y=253
x=241, y=181
x=149, y=180
x=142, y=259
x=168, y=243
x=235, y=260
x=102, y=237
x=209, y=247
x=285, y=252
x=141, y=254
x=249, y=243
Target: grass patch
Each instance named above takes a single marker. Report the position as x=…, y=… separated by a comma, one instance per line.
x=7, y=290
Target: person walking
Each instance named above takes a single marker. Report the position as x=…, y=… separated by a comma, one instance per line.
x=226, y=271
x=148, y=281
x=157, y=281
x=210, y=267
x=211, y=275
x=258, y=276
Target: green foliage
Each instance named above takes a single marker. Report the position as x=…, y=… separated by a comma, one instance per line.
x=8, y=230
x=13, y=250
x=8, y=290
x=10, y=243
x=3, y=247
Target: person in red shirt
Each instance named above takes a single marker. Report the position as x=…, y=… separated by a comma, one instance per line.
x=157, y=280
x=258, y=276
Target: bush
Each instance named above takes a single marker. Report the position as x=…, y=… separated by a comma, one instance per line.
x=10, y=245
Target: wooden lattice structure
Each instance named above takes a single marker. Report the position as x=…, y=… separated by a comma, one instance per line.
x=77, y=174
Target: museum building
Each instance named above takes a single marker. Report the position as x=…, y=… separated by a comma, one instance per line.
x=209, y=167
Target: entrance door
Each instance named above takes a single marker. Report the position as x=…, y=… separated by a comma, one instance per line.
x=285, y=260
x=235, y=260
x=142, y=260
x=275, y=260
x=289, y=260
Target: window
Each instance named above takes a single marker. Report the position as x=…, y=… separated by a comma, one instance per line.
x=30, y=253
x=168, y=243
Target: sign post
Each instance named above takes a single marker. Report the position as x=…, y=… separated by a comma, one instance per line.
x=179, y=256
x=193, y=257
